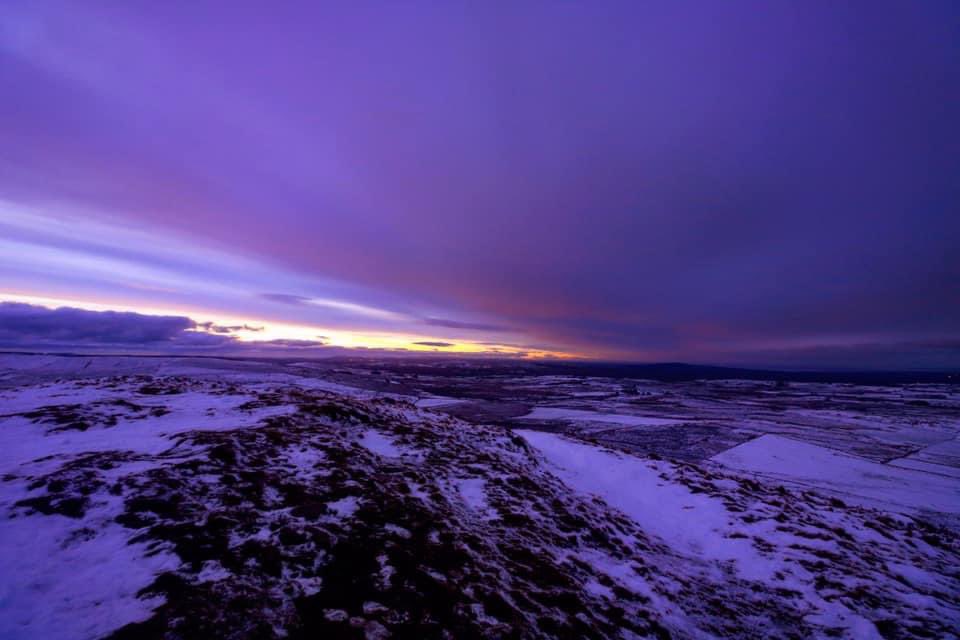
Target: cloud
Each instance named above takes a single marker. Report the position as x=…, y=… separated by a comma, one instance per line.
x=226, y=329
x=28, y=326
x=456, y=324
x=287, y=342
x=285, y=298
x=336, y=305
x=655, y=177
x=23, y=325
x=432, y=343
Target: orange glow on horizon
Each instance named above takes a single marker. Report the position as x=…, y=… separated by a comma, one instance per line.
x=272, y=330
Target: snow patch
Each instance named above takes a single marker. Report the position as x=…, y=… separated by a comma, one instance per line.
x=60, y=578
x=694, y=523
x=344, y=507
x=375, y=442
x=474, y=493
x=427, y=403
x=856, y=479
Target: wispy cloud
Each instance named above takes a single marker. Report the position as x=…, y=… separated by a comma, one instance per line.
x=227, y=329
x=457, y=324
x=287, y=342
x=339, y=305
x=285, y=298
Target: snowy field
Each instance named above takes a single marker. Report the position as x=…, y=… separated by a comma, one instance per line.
x=579, y=415
x=888, y=486
x=198, y=498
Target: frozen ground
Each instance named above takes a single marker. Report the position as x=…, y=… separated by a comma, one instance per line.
x=200, y=498
x=579, y=415
x=889, y=486
x=895, y=447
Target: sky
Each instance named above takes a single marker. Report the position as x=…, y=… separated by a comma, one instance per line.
x=749, y=183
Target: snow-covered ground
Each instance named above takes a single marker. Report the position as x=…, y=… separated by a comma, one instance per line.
x=63, y=576
x=428, y=403
x=560, y=413
x=889, y=486
x=208, y=499
x=695, y=523
x=711, y=525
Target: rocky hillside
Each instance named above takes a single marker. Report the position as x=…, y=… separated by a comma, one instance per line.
x=194, y=507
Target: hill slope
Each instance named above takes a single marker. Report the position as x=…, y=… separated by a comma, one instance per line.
x=191, y=507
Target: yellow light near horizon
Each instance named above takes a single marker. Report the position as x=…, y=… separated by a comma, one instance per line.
x=272, y=330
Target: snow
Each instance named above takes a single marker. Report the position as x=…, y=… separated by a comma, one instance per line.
x=55, y=572
x=398, y=531
x=439, y=401
x=623, y=574
x=856, y=479
x=344, y=507
x=835, y=615
x=944, y=453
x=473, y=491
x=696, y=530
x=417, y=491
x=911, y=462
x=914, y=576
x=189, y=411
x=317, y=384
x=695, y=522
x=679, y=534
x=377, y=443
x=305, y=459
x=560, y=413
x=212, y=571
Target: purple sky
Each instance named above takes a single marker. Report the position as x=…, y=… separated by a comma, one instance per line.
x=764, y=183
